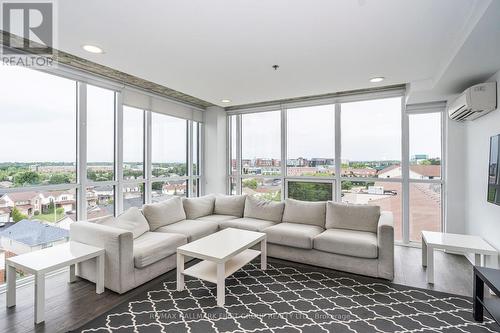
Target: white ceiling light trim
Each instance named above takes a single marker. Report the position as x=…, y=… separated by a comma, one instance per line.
x=377, y=79
x=92, y=48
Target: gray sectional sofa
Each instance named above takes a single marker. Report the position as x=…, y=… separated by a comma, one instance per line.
x=141, y=244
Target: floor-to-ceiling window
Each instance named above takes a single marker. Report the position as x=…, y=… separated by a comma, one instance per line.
x=310, y=153
x=101, y=181
x=72, y=151
x=169, y=157
x=261, y=154
x=425, y=174
x=38, y=161
x=371, y=155
x=369, y=151
x=133, y=157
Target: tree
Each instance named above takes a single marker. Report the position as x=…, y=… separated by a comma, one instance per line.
x=26, y=178
x=272, y=196
x=250, y=183
x=310, y=191
x=157, y=186
x=17, y=215
x=59, y=178
x=50, y=208
x=346, y=185
x=431, y=161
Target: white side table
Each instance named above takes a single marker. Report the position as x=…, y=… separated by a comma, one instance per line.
x=432, y=240
x=50, y=259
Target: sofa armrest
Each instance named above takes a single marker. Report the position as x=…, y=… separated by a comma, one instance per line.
x=385, y=240
x=118, y=246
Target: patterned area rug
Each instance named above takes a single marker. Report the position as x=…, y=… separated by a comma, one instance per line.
x=285, y=298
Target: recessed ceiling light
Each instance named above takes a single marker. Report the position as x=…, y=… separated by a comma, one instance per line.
x=225, y=100
x=92, y=49
x=377, y=79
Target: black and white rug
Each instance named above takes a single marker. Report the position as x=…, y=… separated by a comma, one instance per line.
x=286, y=298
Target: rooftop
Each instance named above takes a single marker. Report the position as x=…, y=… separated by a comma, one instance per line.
x=33, y=233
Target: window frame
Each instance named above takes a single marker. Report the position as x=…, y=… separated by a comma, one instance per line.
x=81, y=81
x=404, y=180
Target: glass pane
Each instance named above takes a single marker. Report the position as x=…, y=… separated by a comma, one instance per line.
x=133, y=195
x=387, y=195
x=425, y=209
x=232, y=186
x=371, y=138
x=196, y=188
x=261, y=143
x=56, y=207
x=33, y=220
x=232, y=120
x=38, y=128
x=133, y=143
x=168, y=189
x=169, y=146
x=311, y=141
x=425, y=146
x=196, y=151
x=100, y=202
x=310, y=191
x=265, y=188
x=100, y=134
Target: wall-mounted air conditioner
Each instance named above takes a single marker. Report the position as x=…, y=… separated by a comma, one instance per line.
x=474, y=102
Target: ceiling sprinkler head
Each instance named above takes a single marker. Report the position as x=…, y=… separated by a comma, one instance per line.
x=276, y=67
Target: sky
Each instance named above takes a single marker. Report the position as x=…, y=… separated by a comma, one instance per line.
x=38, y=123
x=370, y=130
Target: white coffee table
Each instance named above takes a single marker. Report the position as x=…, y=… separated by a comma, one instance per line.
x=50, y=259
x=223, y=253
x=432, y=240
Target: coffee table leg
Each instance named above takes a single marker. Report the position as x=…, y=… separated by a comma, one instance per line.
x=11, y=286
x=430, y=265
x=477, y=259
x=180, y=272
x=263, y=255
x=72, y=274
x=99, y=286
x=221, y=285
x=39, y=298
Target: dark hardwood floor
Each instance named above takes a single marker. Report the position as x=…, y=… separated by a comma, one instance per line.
x=69, y=306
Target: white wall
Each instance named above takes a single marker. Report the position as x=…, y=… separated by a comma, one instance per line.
x=481, y=218
x=455, y=175
x=215, y=150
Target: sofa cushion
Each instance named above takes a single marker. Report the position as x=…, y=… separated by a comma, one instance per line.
x=131, y=220
x=263, y=209
x=164, y=213
x=352, y=216
x=361, y=244
x=198, y=207
x=247, y=223
x=293, y=234
x=305, y=212
x=217, y=218
x=192, y=229
x=154, y=246
x=230, y=205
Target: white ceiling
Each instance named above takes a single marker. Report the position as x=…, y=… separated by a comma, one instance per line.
x=221, y=49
